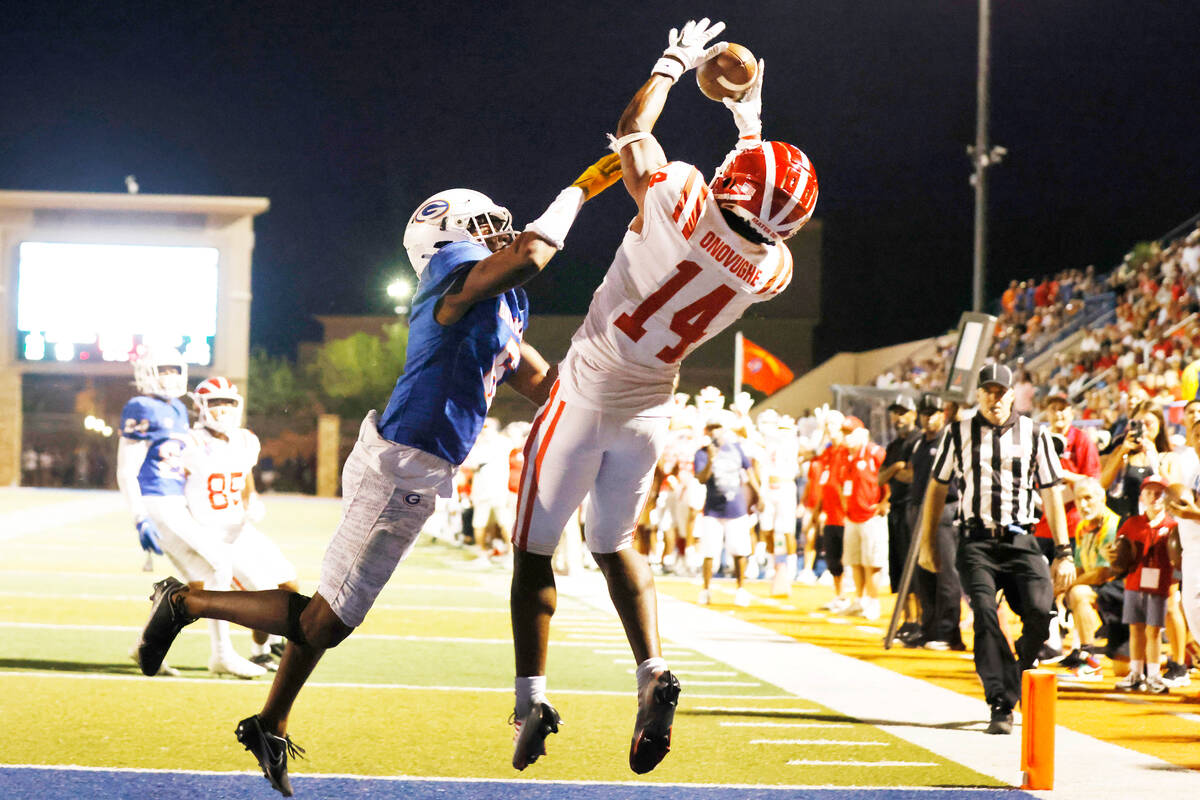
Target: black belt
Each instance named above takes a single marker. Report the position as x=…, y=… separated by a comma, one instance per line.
x=978, y=531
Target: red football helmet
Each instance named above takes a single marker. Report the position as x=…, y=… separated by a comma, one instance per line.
x=771, y=185
x=220, y=405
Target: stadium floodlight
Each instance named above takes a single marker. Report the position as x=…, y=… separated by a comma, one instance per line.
x=399, y=289
x=107, y=431
x=89, y=422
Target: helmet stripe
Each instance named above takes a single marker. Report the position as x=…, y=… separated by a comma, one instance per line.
x=768, y=151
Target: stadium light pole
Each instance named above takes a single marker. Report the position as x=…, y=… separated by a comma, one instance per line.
x=982, y=156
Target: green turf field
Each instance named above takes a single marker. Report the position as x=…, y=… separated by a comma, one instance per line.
x=422, y=689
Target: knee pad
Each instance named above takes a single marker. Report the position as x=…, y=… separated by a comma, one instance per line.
x=296, y=604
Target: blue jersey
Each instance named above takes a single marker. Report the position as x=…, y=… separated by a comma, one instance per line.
x=725, y=497
x=451, y=371
x=164, y=424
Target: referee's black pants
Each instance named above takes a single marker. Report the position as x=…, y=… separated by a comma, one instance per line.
x=1016, y=566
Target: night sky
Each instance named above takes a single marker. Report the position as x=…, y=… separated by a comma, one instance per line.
x=346, y=117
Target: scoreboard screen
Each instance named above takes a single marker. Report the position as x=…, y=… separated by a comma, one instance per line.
x=104, y=302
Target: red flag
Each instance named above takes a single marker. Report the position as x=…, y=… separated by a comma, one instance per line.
x=762, y=370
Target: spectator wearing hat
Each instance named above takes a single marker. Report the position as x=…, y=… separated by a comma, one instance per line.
x=940, y=593
x=1078, y=458
x=897, y=476
x=1002, y=460
x=1146, y=587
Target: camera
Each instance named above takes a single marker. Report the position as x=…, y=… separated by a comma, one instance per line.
x=1137, y=429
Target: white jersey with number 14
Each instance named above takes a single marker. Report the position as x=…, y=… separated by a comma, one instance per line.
x=683, y=279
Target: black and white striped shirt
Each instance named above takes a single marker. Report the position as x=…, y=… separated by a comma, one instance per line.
x=1001, y=468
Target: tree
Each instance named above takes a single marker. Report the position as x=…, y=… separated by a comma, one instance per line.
x=275, y=387
x=357, y=373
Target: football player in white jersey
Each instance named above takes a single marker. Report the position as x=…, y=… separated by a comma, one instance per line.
x=221, y=495
x=694, y=259
x=777, y=520
x=151, y=476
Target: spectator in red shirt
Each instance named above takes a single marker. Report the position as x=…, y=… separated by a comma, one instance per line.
x=1146, y=588
x=866, y=531
x=831, y=514
x=1079, y=459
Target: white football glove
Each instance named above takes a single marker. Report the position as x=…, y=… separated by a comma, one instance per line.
x=255, y=510
x=747, y=113
x=686, y=49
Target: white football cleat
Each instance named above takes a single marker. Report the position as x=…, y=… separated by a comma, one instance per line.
x=741, y=598
x=235, y=665
x=705, y=597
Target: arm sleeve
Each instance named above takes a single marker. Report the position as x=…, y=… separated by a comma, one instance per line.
x=1047, y=468
x=131, y=453
x=700, y=461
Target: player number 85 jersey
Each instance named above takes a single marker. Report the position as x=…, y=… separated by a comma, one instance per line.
x=683, y=279
x=217, y=473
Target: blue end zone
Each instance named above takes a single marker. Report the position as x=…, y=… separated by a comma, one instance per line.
x=38, y=783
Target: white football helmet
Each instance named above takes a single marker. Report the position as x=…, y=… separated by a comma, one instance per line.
x=767, y=423
x=219, y=404
x=709, y=400
x=149, y=375
x=455, y=215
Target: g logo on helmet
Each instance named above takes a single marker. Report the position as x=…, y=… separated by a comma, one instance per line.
x=412, y=498
x=431, y=211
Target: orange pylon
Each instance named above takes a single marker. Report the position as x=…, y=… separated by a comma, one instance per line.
x=1039, y=693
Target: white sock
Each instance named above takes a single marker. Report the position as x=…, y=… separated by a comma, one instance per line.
x=274, y=638
x=790, y=560
x=529, y=691
x=647, y=670
x=1153, y=670
x=1137, y=668
x=222, y=644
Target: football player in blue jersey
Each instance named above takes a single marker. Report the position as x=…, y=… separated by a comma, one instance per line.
x=465, y=337
x=150, y=475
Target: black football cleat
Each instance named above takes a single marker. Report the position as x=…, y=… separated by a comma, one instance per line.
x=272, y=752
x=529, y=738
x=652, y=730
x=167, y=619
x=1001, y=722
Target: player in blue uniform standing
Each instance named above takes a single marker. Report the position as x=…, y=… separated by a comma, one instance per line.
x=150, y=475
x=465, y=338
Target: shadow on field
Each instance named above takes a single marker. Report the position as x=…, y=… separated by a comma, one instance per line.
x=818, y=717
x=91, y=667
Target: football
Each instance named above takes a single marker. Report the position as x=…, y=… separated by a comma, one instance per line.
x=729, y=74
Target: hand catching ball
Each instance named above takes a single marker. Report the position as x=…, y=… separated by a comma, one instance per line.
x=728, y=74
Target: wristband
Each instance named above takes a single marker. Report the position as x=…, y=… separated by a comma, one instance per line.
x=1063, y=551
x=669, y=68
x=616, y=145
x=558, y=217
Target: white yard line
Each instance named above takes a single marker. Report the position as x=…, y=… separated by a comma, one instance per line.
x=827, y=742
x=809, y=763
x=821, y=725
x=398, y=687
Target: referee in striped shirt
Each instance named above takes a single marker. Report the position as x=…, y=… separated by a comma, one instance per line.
x=1000, y=459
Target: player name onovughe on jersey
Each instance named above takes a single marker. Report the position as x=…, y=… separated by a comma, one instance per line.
x=684, y=278
x=217, y=472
